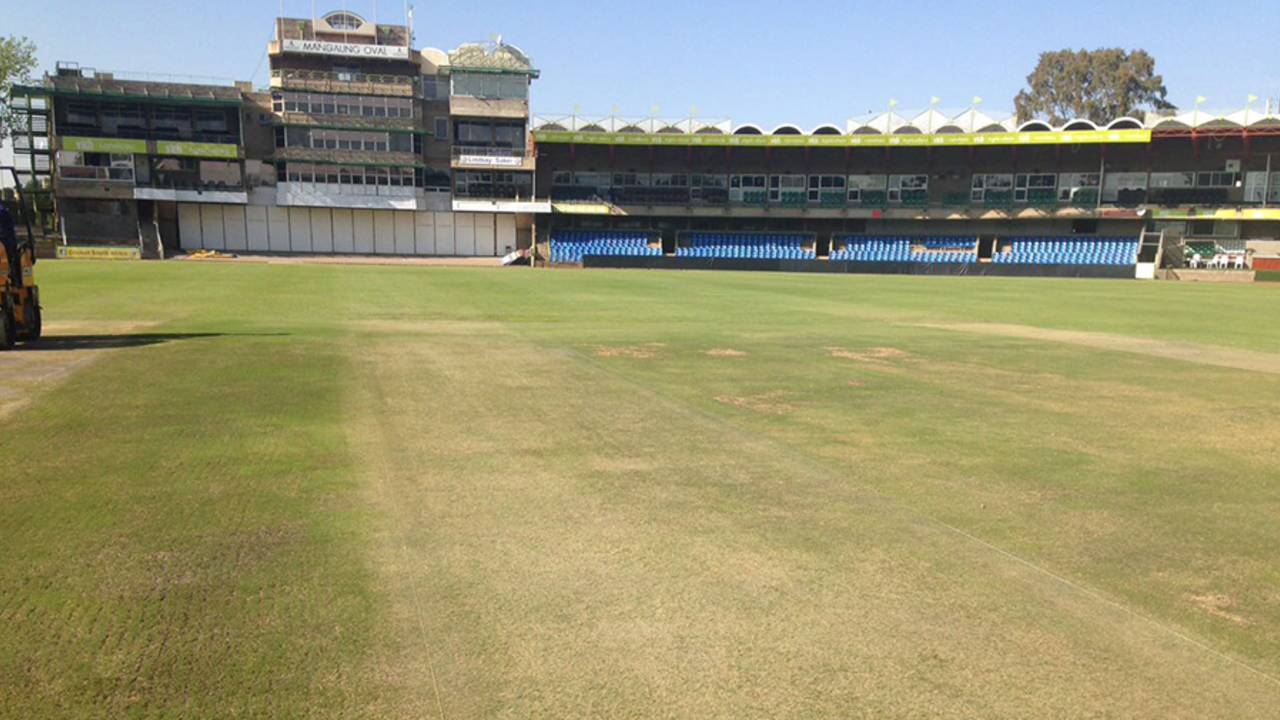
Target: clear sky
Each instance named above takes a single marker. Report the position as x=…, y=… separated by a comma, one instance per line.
x=749, y=60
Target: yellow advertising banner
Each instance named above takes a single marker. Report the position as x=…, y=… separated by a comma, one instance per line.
x=105, y=252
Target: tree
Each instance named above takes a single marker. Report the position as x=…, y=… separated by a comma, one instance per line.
x=17, y=61
x=1100, y=85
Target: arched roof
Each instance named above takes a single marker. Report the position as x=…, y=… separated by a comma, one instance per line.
x=787, y=129
x=748, y=129
x=1125, y=123
x=495, y=55
x=826, y=130
x=1035, y=126
x=1080, y=124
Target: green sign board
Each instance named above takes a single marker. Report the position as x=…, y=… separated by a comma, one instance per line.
x=1078, y=137
x=195, y=149
x=118, y=146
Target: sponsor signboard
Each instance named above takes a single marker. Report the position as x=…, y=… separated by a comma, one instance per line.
x=195, y=149
x=1080, y=137
x=106, y=252
x=491, y=160
x=322, y=47
x=118, y=146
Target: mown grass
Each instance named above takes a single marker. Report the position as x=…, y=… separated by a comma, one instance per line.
x=397, y=492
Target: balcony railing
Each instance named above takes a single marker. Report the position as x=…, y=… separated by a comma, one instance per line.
x=90, y=172
x=133, y=133
x=356, y=83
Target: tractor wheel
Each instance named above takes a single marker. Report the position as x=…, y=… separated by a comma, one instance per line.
x=8, y=328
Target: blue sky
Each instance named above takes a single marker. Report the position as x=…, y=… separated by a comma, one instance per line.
x=749, y=60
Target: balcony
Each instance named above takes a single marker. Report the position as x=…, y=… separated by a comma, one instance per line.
x=467, y=106
x=95, y=173
x=346, y=83
x=347, y=122
x=492, y=158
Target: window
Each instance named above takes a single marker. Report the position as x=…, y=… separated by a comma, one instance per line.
x=508, y=136
x=859, y=184
x=1257, y=186
x=1128, y=183
x=908, y=188
x=1169, y=180
x=986, y=186
x=490, y=86
x=343, y=21
x=1070, y=186
x=442, y=128
x=1037, y=187
x=433, y=87
x=82, y=114
x=1216, y=179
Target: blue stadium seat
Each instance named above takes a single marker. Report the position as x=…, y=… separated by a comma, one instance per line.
x=570, y=246
x=743, y=245
x=1073, y=250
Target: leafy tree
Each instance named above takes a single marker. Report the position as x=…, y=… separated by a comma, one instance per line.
x=17, y=61
x=1100, y=85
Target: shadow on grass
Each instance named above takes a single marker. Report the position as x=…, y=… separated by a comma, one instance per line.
x=110, y=342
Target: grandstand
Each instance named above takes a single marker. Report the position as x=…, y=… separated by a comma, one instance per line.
x=931, y=192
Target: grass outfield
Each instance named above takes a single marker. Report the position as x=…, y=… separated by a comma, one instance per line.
x=324, y=491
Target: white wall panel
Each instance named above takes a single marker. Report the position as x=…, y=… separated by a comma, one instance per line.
x=344, y=238
x=233, y=222
x=363, y=220
x=464, y=233
x=484, y=234
x=446, y=243
x=278, y=228
x=424, y=233
x=189, y=227
x=299, y=229
x=211, y=226
x=404, y=233
x=255, y=217
x=505, y=233
x=321, y=230
x=384, y=232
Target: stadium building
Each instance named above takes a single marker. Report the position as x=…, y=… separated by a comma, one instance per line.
x=362, y=144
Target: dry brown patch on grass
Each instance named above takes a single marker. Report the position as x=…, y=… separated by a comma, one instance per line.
x=28, y=370
x=1219, y=606
x=770, y=403
x=1234, y=358
x=635, y=352
x=875, y=354
x=725, y=353
x=428, y=327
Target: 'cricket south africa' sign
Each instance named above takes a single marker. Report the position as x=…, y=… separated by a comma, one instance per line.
x=320, y=47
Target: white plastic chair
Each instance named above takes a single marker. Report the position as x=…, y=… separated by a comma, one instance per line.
x=1196, y=261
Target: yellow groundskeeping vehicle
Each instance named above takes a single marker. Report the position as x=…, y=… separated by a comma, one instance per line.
x=19, y=297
